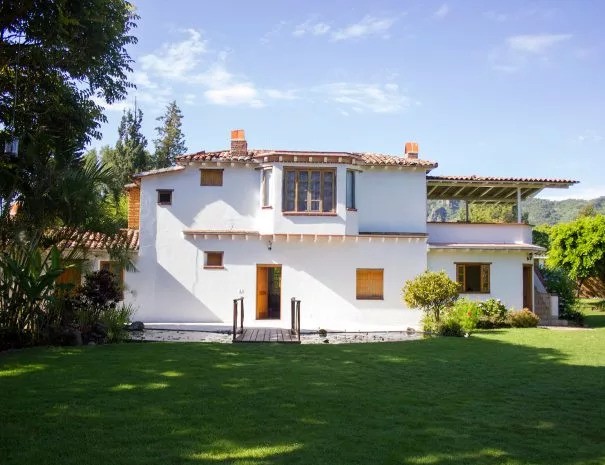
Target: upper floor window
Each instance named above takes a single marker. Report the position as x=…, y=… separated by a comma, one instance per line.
x=266, y=177
x=310, y=190
x=351, y=190
x=213, y=259
x=164, y=196
x=473, y=277
x=211, y=177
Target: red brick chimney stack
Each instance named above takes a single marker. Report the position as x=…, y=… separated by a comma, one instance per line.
x=411, y=150
x=239, y=146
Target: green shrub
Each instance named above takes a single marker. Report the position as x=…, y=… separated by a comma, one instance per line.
x=466, y=313
x=492, y=314
x=450, y=327
x=116, y=319
x=523, y=319
x=557, y=281
x=433, y=292
x=429, y=325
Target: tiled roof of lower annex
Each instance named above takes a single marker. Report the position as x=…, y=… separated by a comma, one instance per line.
x=370, y=159
x=128, y=238
x=475, y=178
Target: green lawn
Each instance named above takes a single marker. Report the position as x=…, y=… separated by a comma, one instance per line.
x=530, y=396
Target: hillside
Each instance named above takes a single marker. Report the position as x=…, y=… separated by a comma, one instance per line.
x=537, y=211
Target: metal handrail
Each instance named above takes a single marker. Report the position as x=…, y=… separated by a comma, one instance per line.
x=237, y=304
x=295, y=314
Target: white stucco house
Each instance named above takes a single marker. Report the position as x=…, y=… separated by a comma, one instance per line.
x=339, y=231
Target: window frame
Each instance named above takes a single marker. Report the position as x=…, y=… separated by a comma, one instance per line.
x=207, y=170
x=484, y=277
x=164, y=191
x=207, y=254
x=309, y=212
x=369, y=296
x=351, y=174
x=266, y=200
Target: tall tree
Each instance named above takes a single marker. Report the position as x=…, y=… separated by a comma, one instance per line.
x=171, y=141
x=130, y=155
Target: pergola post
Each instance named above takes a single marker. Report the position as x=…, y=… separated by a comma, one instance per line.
x=519, y=205
x=466, y=207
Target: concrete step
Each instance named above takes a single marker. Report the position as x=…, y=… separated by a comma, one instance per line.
x=553, y=322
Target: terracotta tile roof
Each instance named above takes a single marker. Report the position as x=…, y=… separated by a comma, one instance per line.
x=476, y=178
x=371, y=159
x=379, y=159
x=157, y=171
x=100, y=241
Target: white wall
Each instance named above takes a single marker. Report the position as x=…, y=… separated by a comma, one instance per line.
x=479, y=233
x=391, y=200
x=174, y=287
x=506, y=272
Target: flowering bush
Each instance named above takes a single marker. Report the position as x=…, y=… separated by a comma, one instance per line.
x=466, y=313
x=493, y=314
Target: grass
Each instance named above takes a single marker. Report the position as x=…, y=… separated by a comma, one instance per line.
x=524, y=396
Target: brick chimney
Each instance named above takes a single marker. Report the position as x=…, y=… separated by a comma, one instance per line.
x=411, y=149
x=239, y=146
x=134, y=205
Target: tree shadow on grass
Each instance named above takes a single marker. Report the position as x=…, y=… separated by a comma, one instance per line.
x=440, y=401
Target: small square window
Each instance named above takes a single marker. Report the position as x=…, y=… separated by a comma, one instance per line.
x=212, y=177
x=370, y=284
x=213, y=259
x=164, y=196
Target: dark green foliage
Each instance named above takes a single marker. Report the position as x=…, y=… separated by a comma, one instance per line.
x=541, y=236
x=130, y=155
x=578, y=248
x=523, y=318
x=557, y=281
x=450, y=327
x=171, y=141
x=536, y=211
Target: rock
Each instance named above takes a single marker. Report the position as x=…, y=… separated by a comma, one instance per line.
x=100, y=329
x=137, y=326
x=92, y=343
x=411, y=330
x=72, y=337
x=326, y=341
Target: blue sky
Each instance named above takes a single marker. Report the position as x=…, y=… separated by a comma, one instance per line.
x=492, y=88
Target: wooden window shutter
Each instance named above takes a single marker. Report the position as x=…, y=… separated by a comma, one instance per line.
x=460, y=276
x=370, y=284
x=211, y=177
x=484, y=278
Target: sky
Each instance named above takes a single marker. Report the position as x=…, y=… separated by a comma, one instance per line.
x=512, y=88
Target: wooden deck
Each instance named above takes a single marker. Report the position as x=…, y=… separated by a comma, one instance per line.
x=274, y=335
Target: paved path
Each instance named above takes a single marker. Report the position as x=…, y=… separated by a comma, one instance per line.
x=307, y=338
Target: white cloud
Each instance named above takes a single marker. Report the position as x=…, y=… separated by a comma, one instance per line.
x=589, y=136
x=442, y=12
x=174, y=60
x=536, y=43
x=235, y=94
x=311, y=28
x=521, y=50
x=268, y=37
x=278, y=94
x=359, y=97
x=368, y=25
